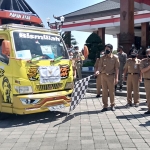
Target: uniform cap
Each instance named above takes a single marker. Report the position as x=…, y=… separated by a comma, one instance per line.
x=109, y=45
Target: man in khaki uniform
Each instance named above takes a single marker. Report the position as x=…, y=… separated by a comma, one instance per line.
x=78, y=57
x=145, y=69
x=108, y=68
x=132, y=68
x=98, y=77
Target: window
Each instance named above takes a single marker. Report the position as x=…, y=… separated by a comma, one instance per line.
x=3, y=58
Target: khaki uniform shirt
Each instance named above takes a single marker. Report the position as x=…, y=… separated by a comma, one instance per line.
x=108, y=64
x=73, y=64
x=132, y=66
x=144, y=64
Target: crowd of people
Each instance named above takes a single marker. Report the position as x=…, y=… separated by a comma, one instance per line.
x=77, y=58
x=111, y=70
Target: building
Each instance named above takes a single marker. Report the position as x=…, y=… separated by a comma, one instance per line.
x=128, y=20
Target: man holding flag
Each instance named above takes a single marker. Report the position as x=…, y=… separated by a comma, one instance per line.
x=109, y=69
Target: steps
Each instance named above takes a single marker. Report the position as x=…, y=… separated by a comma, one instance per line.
x=92, y=87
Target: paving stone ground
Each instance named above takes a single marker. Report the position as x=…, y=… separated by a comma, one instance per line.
x=85, y=129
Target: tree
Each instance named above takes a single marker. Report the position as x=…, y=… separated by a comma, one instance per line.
x=95, y=46
x=114, y=52
x=69, y=39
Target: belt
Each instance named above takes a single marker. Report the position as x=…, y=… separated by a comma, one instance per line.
x=108, y=74
x=146, y=79
x=133, y=73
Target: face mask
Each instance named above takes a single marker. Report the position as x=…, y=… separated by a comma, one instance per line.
x=133, y=56
x=76, y=50
x=107, y=51
x=70, y=57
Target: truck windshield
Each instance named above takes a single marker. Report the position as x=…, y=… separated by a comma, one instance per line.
x=36, y=45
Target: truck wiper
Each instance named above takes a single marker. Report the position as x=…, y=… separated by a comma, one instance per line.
x=58, y=58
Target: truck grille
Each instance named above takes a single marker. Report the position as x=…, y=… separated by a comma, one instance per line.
x=48, y=87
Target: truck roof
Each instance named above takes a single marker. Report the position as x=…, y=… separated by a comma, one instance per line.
x=27, y=27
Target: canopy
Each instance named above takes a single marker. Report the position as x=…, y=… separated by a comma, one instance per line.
x=16, y=11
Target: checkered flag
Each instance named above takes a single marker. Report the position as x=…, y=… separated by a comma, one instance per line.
x=79, y=92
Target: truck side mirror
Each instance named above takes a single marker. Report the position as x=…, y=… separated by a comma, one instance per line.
x=6, y=48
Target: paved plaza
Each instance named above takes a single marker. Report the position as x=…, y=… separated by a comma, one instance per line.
x=85, y=129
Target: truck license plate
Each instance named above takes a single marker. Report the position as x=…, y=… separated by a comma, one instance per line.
x=56, y=108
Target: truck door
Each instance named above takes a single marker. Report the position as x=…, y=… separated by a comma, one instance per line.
x=6, y=96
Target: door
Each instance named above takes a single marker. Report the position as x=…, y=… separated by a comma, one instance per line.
x=6, y=72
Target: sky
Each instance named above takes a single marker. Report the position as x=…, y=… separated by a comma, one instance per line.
x=46, y=9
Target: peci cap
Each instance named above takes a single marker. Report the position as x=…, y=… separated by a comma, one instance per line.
x=121, y=47
x=109, y=45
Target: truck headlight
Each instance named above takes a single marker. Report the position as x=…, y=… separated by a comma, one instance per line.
x=23, y=89
x=29, y=101
x=69, y=85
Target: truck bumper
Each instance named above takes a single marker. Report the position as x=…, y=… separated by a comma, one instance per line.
x=46, y=100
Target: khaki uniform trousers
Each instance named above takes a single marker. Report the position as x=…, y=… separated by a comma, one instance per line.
x=98, y=84
x=79, y=69
x=133, y=85
x=108, y=82
x=147, y=89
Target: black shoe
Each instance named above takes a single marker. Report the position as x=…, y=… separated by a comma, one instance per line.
x=115, y=88
x=104, y=109
x=97, y=96
x=113, y=108
x=129, y=105
x=120, y=88
x=147, y=113
x=136, y=105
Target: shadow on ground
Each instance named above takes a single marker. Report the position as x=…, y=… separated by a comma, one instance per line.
x=146, y=124
x=11, y=120
x=47, y=117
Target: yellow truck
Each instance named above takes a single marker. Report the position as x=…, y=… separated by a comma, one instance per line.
x=35, y=70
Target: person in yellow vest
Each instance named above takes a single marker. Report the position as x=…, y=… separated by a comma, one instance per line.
x=134, y=77
x=145, y=69
x=98, y=77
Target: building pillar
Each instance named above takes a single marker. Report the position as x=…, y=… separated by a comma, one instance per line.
x=118, y=40
x=101, y=34
x=126, y=37
x=145, y=35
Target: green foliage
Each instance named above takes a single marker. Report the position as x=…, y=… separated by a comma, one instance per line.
x=69, y=39
x=88, y=64
x=95, y=46
x=114, y=52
